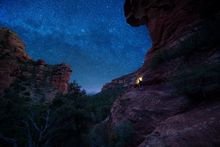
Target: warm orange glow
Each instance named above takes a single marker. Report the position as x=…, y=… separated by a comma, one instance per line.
x=140, y=79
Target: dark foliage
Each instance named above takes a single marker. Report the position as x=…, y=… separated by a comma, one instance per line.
x=198, y=42
x=67, y=121
x=200, y=82
x=100, y=104
x=99, y=135
x=121, y=135
x=14, y=109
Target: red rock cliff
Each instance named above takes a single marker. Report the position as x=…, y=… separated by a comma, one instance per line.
x=169, y=108
x=17, y=66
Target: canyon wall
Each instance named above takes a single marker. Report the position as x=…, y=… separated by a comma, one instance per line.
x=38, y=79
x=177, y=104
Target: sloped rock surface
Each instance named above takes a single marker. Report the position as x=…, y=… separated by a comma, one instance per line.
x=185, y=37
x=198, y=128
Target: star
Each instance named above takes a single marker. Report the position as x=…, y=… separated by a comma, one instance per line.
x=92, y=36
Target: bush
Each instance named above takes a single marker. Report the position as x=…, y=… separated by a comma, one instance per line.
x=98, y=136
x=100, y=104
x=67, y=121
x=200, y=41
x=13, y=110
x=27, y=94
x=70, y=119
x=198, y=83
x=121, y=134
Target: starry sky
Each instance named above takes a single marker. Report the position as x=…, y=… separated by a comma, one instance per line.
x=90, y=35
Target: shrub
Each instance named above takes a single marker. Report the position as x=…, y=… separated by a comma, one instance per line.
x=184, y=49
x=121, y=134
x=204, y=38
x=100, y=104
x=13, y=110
x=199, y=83
x=156, y=60
x=27, y=94
x=66, y=121
x=98, y=136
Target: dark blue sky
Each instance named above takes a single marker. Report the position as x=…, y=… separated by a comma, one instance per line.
x=90, y=35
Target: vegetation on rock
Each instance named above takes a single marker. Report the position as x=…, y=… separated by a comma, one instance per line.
x=199, y=82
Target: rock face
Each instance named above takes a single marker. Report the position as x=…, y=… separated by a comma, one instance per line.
x=177, y=104
x=40, y=79
x=123, y=82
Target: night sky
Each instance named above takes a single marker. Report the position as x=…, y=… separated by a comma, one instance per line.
x=90, y=35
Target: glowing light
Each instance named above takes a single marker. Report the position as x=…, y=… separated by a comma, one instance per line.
x=139, y=79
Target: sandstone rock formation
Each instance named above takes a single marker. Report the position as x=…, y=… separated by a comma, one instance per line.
x=39, y=79
x=178, y=102
x=123, y=82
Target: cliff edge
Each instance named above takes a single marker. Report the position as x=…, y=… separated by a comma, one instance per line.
x=36, y=78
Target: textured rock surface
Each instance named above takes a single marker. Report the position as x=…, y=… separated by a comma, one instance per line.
x=11, y=50
x=198, y=128
x=40, y=79
x=184, y=34
x=124, y=82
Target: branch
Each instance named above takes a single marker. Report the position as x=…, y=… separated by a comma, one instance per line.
x=47, y=120
x=30, y=142
x=43, y=130
x=9, y=140
x=34, y=124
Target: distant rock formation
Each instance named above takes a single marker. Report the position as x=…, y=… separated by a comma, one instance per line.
x=42, y=81
x=122, y=82
x=178, y=103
